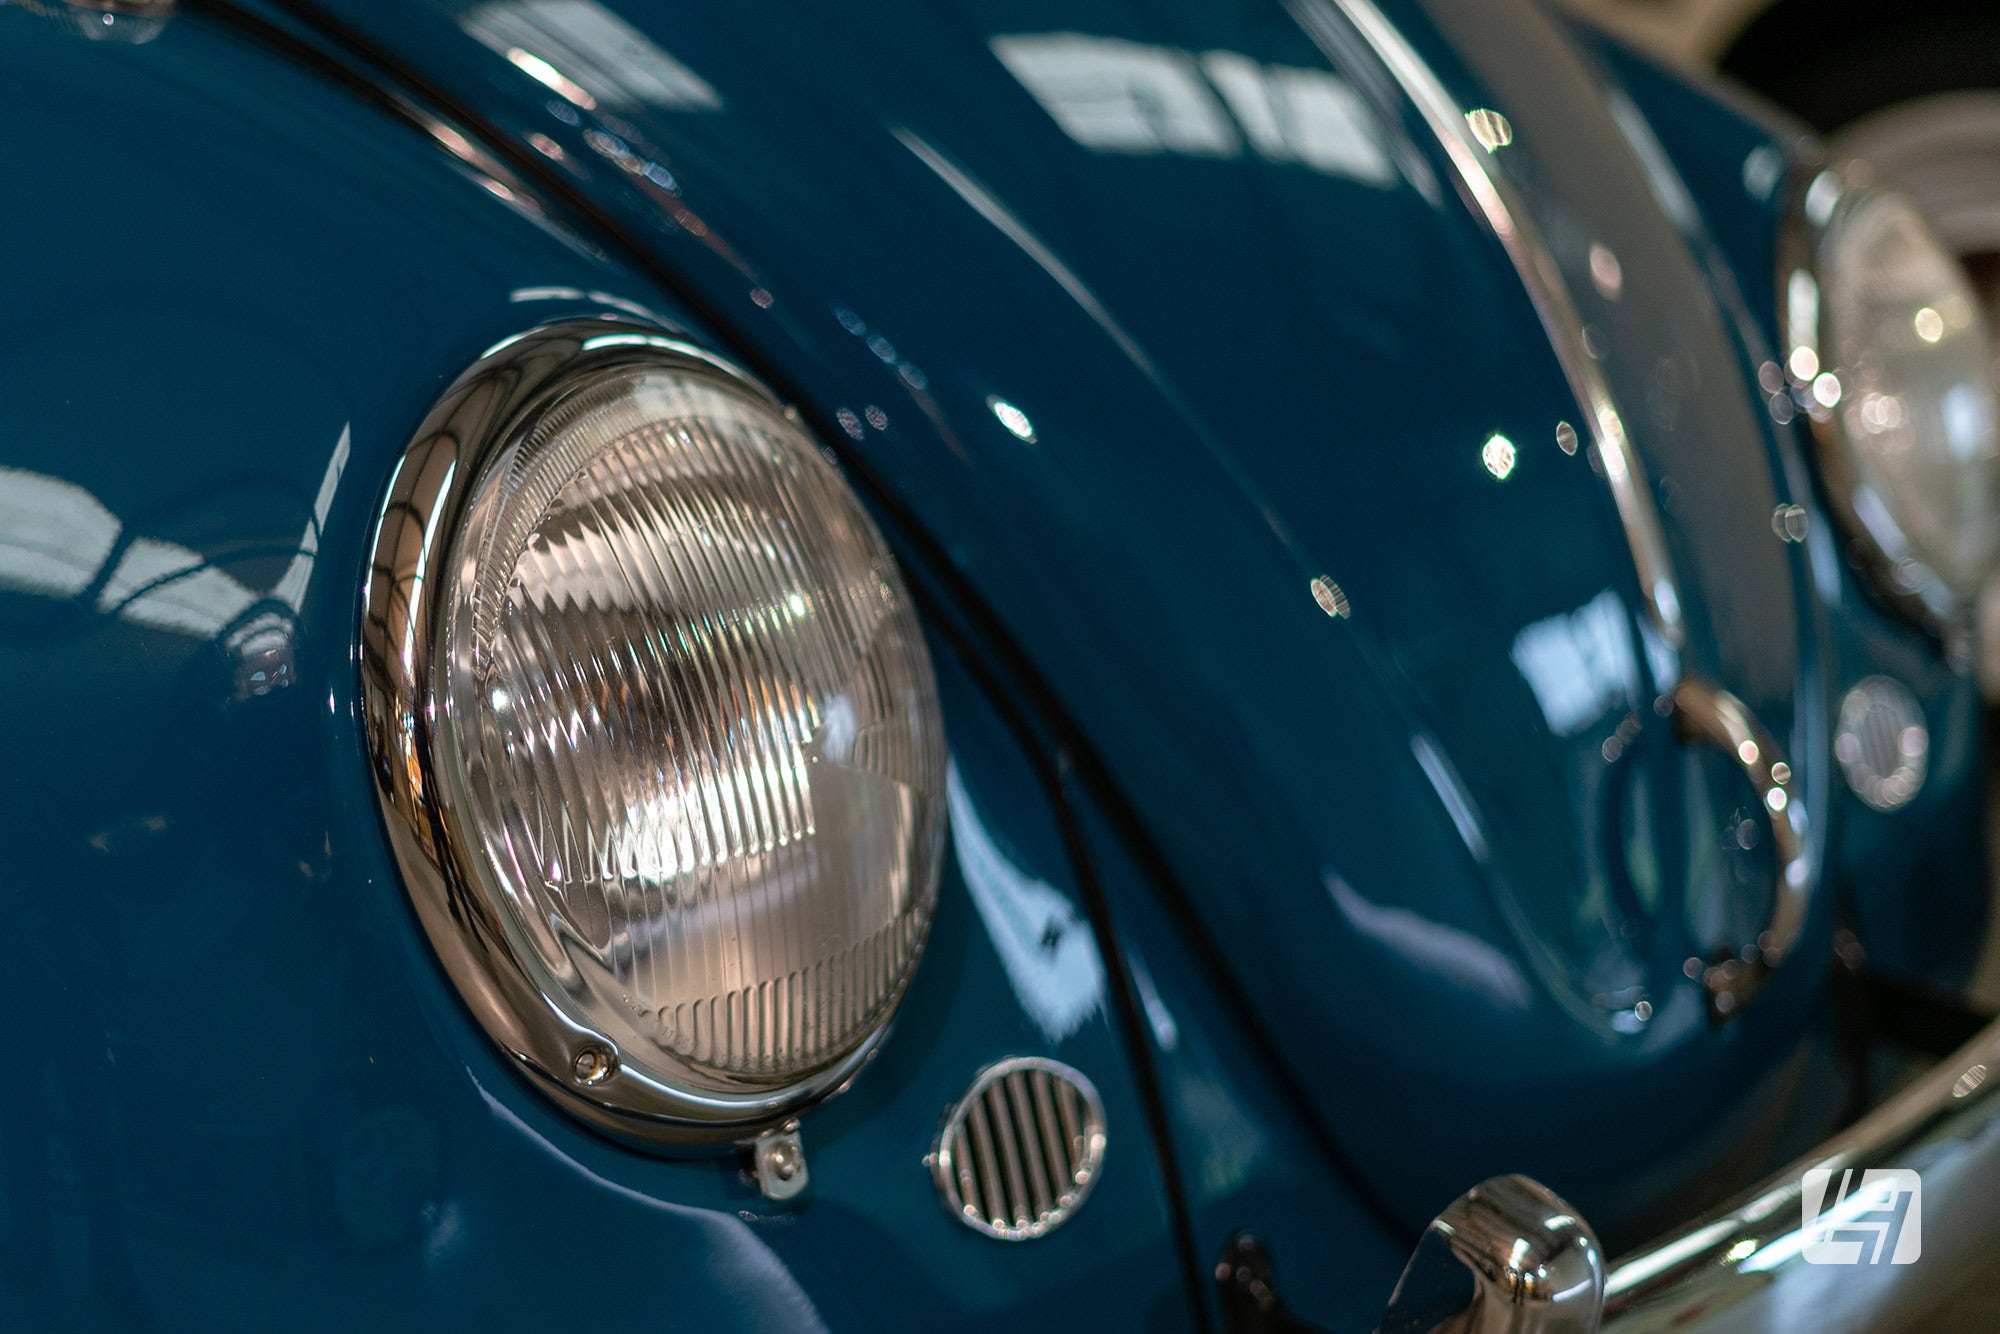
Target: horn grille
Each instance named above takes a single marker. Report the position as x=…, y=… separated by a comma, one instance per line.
x=1882, y=743
x=1021, y=1149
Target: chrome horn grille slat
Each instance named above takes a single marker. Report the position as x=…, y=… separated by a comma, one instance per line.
x=1020, y=1151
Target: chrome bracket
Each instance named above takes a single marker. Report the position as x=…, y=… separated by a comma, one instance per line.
x=1508, y=1257
x=778, y=1162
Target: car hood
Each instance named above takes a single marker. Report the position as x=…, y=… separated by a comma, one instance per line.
x=1175, y=329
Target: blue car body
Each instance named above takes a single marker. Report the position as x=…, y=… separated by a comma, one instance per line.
x=1278, y=702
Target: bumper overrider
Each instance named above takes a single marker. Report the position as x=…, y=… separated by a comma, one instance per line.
x=1872, y=1230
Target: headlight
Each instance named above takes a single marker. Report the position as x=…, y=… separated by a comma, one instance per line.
x=655, y=733
x=1889, y=354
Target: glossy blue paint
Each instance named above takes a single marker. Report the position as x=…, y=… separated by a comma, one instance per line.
x=239, y=1092
x=1245, y=341
x=1250, y=1157
x=1252, y=357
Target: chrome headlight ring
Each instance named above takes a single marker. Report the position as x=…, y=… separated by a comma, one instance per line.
x=751, y=543
x=1888, y=357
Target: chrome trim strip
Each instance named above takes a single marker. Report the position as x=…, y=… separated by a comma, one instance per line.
x=1747, y=1259
x=1711, y=713
x=1494, y=197
x=488, y=406
x=1743, y=1266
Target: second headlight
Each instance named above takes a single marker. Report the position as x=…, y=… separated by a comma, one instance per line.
x=655, y=733
x=1887, y=351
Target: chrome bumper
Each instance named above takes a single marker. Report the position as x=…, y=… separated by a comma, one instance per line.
x=1510, y=1256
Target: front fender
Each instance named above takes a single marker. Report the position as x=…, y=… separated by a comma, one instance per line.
x=240, y=1092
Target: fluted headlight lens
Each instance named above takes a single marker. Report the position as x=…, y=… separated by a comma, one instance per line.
x=1904, y=378
x=687, y=734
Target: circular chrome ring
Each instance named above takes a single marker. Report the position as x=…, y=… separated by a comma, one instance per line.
x=1710, y=714
x=487, y=407
x=1882, y=743
x=1021, y=1150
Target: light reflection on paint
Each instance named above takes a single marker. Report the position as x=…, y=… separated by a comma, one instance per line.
x=1011, y=417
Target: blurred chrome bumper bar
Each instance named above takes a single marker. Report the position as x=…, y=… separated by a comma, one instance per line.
x=1510, y=1256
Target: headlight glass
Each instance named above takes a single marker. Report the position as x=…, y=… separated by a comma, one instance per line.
x=1892, y=359
x=684, y=737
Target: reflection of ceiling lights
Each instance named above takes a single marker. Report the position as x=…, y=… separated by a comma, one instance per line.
x=1044, y=941
x=1579, y=664
x=1121, y=97
x=54, y=535
x=1307, y=116
x=168, y=587
x=56, y=540
x=1115, y=96
x=588, y=55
